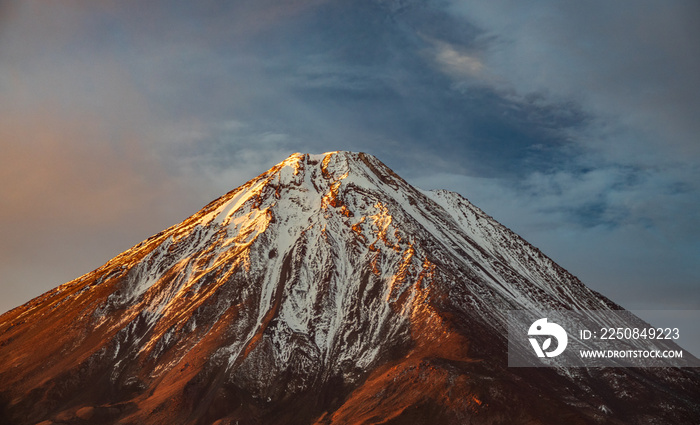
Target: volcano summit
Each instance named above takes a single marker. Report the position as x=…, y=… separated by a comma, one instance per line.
x=327, y=290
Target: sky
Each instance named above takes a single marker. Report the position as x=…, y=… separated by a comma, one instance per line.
x=574, y=125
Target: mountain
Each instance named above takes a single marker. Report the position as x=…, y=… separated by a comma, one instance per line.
x=327, y=290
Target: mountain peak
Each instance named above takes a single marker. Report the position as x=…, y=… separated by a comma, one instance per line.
x=304, y=185
x=331, y=166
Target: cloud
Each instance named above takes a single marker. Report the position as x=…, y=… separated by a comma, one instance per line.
x=634, y=64
x=458, y=63
x=573, y=125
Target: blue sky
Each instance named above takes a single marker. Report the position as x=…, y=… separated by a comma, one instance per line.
x=576, y=126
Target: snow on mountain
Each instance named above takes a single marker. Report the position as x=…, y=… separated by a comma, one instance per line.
x=326, y=290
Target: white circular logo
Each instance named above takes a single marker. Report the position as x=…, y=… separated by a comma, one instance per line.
x=542, y=328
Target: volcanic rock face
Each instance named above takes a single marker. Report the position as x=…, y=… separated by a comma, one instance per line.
x=326, y=290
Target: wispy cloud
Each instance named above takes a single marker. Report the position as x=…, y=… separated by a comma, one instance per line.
x=458, y=63
x=634, y=64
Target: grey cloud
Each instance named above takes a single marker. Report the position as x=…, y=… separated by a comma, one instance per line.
x=559, y=122
x=634, y=62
